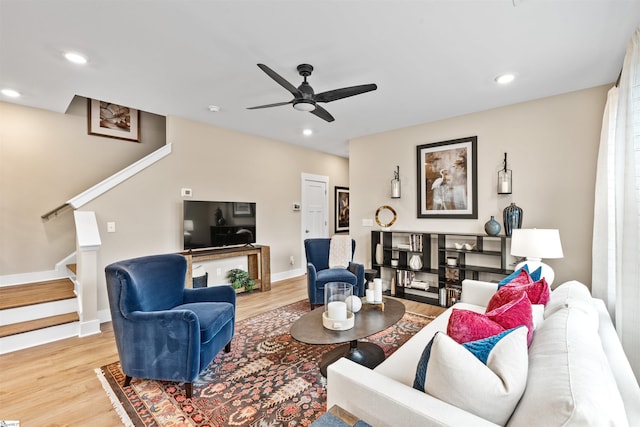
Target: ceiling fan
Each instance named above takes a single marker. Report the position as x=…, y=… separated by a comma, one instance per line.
x=305, y=99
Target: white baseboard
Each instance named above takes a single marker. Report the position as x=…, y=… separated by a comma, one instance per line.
x=276, y=277
x=91, y=327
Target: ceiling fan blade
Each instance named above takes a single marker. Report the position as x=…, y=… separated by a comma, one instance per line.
x=280, y=80
x=345, y=92
x=322, y=113
x=277, y=104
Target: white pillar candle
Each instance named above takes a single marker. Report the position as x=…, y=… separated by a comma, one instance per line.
x=505, y=186
x=377, y=287
x=371, y=295
x=337, y=310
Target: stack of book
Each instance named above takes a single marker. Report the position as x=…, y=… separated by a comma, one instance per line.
x=415, y=242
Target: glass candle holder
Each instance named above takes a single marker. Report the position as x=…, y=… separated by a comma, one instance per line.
x=337, y=313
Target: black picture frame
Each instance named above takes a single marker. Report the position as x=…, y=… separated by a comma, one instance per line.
x=342, y=209
x=447, y=173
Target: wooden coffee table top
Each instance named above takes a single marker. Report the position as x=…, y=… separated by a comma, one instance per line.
x=308, y=328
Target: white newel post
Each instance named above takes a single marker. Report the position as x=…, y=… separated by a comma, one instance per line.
x=88, y=243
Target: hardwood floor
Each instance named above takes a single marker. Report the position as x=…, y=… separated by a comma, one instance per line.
x=55, y=384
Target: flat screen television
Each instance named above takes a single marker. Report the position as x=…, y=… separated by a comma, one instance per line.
x=208, y=224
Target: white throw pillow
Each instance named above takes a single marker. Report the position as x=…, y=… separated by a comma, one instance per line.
x=452, y=373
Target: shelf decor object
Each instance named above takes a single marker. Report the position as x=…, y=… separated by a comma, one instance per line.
x=492, y=227
x=415, y=262
x=536, y=244
x=512, y=217
x=379, y=254
x=395, y=184
x=447, y=179
x=504, y=178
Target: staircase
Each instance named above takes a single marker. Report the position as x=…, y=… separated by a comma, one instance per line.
x=37, y=313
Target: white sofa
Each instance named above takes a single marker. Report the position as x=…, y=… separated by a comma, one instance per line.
x=587, y=382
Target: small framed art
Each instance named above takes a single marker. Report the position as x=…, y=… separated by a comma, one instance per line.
x=113, y=120
x=342, y=209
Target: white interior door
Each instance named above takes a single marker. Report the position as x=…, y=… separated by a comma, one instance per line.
x=315, y=206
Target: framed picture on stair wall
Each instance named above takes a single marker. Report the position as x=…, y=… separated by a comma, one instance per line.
x=113, y=120
x=342, y=209
x=447, y=179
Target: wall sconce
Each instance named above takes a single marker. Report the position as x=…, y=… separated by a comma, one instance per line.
x=504, y=178
x=395, y=184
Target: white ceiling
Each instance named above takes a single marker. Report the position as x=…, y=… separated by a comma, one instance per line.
x=430, y=59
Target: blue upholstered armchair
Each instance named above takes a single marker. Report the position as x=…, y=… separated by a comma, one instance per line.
x=164, y=331
x=319, y=273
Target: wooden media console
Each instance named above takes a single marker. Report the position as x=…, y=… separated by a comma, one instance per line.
x=258, y=261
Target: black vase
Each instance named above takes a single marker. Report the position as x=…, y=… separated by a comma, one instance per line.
x=512, y=216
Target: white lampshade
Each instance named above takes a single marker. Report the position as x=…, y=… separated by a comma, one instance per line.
x=188, y=225
x=535, y=244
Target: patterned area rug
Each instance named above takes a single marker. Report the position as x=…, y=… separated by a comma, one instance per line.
x=268, y=378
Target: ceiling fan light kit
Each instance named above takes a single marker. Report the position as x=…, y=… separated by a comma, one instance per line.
x=304, y=97
x=304, y=105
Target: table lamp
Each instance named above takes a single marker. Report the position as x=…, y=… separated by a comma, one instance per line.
x=536, y=244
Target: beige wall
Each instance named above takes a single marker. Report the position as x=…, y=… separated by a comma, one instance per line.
x=46, y=158
x=552, y=145
x=217, y=164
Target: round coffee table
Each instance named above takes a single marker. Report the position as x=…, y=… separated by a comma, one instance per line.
x=368, y=321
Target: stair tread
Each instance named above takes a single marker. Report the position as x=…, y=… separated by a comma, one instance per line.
x=36, y=293
x=32, y=325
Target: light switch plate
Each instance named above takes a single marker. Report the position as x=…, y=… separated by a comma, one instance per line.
x=186, y=192
x=367, y=222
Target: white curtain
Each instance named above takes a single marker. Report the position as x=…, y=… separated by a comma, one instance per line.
x=616, y=230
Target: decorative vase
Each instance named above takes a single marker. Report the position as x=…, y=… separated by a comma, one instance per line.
x=379, y=254
x=492, y=227
x=512, y=216
x=415, y=262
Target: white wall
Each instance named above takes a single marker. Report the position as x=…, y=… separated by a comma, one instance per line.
x=217, y=164
x=552, y=145
x=46, y=158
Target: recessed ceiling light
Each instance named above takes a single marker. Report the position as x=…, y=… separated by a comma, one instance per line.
x=503, y=79
x=10, y=93
x=307, y=132
x=76, y=58
x=214, y=108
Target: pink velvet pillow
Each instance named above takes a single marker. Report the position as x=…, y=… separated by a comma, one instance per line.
x=466, y=325
x=514, y=313
x=538, y=293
